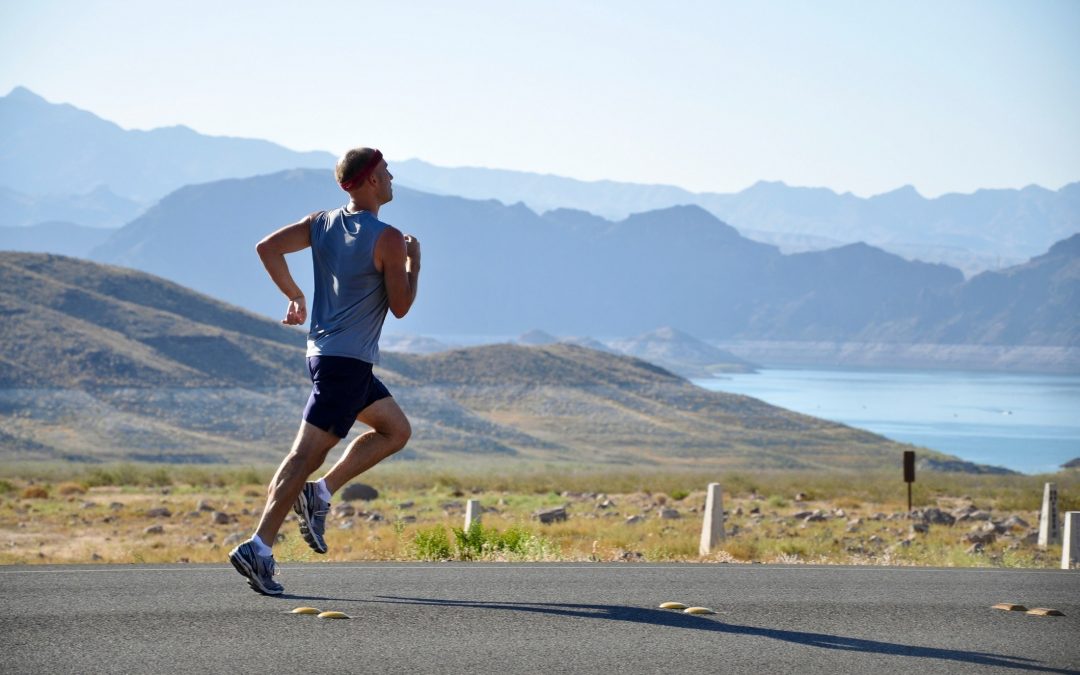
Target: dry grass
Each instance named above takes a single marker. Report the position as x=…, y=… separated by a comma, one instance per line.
x=35, y=492
x=70, y=488
x=107, y=521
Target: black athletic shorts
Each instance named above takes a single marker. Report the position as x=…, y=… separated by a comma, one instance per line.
x=340, y=388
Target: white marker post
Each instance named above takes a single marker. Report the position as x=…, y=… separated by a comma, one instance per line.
x=472, y=513
x=1070, y=543
x=1049, y=525
x=712, y=529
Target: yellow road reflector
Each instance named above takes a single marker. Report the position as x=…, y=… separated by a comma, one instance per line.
x=1009, y=607
x=334, y=615
x=1044, y=611
x=305, y=610
x=672, y=605
x=698, y=610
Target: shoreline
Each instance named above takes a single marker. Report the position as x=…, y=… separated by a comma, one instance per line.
x=1004, y=359
x=1019, y=422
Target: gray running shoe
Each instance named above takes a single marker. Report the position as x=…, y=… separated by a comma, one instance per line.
x=258, y=569
x=312, y=511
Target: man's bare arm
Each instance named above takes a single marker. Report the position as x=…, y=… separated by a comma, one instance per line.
x=397, y=256
x=272, y=250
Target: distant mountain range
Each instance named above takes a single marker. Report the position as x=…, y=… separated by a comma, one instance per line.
x=54, y=237
x=103, y=363
x=97, y=208
x=987, y=229
x=667, y=347
x=681, y=353
x=108, y=175
x=62, y=152
x=501, y=270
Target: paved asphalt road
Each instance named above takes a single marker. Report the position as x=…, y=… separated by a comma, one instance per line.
x=544, y=618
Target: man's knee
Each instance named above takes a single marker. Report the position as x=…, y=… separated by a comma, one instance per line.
x=387, y=420
x=311, y=446
x=399, y=432
x=306, y=458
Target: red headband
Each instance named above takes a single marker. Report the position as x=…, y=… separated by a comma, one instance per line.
x=361, y=175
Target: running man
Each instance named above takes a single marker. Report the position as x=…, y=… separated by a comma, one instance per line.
x=362, y=268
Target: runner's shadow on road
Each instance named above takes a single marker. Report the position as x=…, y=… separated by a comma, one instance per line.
x=674, y=619
x=292, y=596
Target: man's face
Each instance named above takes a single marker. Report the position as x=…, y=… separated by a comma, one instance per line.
x=384, y=187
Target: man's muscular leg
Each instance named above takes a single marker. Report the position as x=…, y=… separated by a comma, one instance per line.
x=307, y=455
x=390, y=431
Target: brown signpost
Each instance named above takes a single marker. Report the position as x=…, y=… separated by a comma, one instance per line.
x=909, y=474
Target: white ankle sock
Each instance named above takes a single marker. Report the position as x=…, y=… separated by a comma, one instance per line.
x=260, y=547
x=324, y=492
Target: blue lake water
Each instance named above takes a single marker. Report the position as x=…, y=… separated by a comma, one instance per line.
x=1028, y=423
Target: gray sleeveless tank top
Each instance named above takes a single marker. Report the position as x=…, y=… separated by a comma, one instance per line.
x=350, y=302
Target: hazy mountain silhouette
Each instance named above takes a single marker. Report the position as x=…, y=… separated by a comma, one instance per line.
x=126, y=170
x=53, y=237
x=97, y=208
x=501, y=270
x=536, y=338
x=681, y=353
x=1034, y=303
x=51, y=149
x=973, y=230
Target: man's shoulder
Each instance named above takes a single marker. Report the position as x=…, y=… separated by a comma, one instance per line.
x=374, y=219
x=319, y=216
x=378, y=227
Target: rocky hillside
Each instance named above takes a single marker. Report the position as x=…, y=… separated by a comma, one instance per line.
x=69, y=323
x=105, y=363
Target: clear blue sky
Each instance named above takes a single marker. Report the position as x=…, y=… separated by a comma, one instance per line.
x=712, y=96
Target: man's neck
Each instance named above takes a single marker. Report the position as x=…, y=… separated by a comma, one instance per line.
x=371, y=206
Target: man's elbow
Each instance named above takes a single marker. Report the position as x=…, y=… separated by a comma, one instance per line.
x=400, y=306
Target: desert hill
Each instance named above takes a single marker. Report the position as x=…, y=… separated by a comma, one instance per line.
x=104, y=363
x=74, y=324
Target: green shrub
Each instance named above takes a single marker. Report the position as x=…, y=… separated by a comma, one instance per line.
x=792, y=548
x=431, y=543
x=776, y=501
x=130, y=475
x=5, y=487
x=219, y=476
x=480, y=542
x=738, y=483
x=679, y=495
x=158, y=477
x=516, y=540
x=470, y=543
x=249, y=476
x=118, y=475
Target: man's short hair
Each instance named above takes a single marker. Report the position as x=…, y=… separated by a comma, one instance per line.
x=351, y=162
